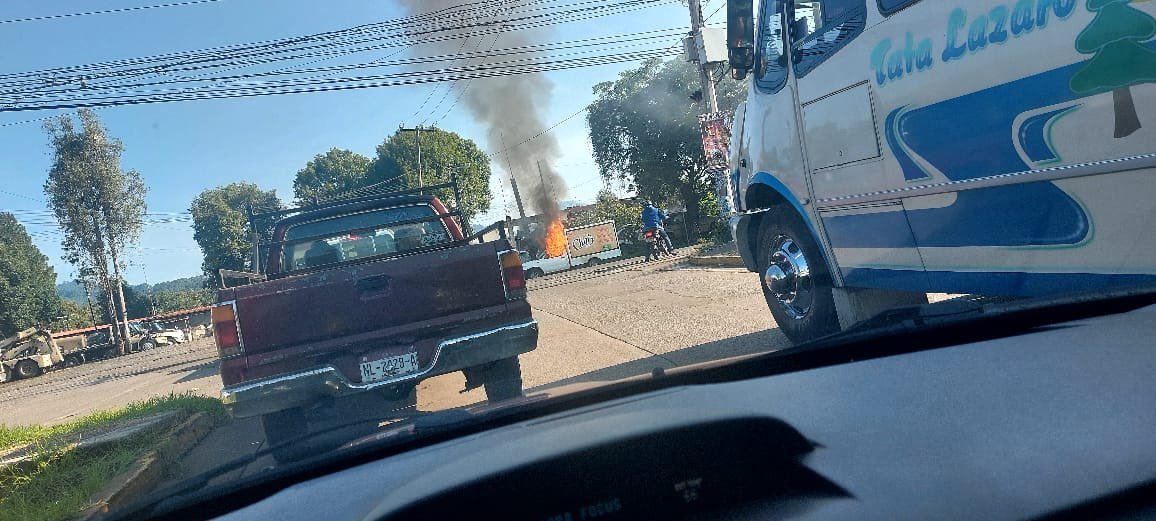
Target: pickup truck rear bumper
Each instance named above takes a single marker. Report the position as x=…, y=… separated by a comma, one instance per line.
x=286, y=391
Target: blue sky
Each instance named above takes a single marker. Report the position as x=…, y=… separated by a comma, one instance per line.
x=182, y=148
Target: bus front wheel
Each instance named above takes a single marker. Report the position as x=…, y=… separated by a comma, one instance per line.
x=795, y=279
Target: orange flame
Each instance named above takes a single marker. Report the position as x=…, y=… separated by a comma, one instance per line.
x=555, y=239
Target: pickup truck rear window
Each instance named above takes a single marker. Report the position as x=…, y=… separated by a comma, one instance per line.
x=360, y=235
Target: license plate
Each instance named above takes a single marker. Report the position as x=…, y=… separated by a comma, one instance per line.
x=388, y=367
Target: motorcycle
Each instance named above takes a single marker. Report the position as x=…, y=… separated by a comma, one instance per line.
x=655, y=245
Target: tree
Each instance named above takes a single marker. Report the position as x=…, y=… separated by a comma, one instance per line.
x=645, y=132
x=331, y=173
x=169, y=301
x=99, y=206
x=137, y=303
x=606, y=208
x=1115, y=38
x=71, y=316
x=442, y=153
x=221, y=227
x=27, y=282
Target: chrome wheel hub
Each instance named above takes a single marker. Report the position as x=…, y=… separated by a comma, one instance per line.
x=788, y=277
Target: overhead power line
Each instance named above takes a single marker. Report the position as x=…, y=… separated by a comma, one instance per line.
x=25, y=98
x=298, y=86
x=106, y=11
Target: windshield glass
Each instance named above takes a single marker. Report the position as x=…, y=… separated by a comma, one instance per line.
x=301, y=226
x=361, y=235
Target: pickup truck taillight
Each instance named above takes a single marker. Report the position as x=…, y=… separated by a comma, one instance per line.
x=512, y=275
x=225, y=330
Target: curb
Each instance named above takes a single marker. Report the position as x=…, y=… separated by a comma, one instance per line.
x=147, y=471
x=717, y=261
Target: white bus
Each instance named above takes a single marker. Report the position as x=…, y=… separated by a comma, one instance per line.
x=892, y=148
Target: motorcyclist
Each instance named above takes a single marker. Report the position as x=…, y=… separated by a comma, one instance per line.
x=653, y=217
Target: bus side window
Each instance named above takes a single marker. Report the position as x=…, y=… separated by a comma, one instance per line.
x=819, y=28
x=771, y=63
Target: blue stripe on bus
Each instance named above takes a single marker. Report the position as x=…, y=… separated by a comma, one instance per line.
x=1030, y=214
x=976, y=144
x=905, y=280
x=991, y=283
x=869, y=230
x=1034, y=136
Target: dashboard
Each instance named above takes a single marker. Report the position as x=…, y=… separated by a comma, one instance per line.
x=1056, y=422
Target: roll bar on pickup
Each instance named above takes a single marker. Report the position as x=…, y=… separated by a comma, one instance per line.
x=252, y=216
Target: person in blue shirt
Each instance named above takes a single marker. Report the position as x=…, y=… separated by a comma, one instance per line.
x=653, y=217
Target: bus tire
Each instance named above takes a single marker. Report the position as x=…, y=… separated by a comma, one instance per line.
x=795, y=279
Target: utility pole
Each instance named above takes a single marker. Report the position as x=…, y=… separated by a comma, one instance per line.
x=542, y=177
x=707, y=78
x=417, y=130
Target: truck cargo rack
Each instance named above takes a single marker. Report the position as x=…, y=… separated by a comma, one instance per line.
x=259, y=245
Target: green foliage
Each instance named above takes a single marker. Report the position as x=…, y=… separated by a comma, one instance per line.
x=169, y=301
x=330, y=174
x=1115, y=37
x=221, y=227
x=645, y=132
x=27, y=281
x=442, y=153
x=606, y=208
x=61, y=480
x=71, y=290
x=62, y=434
x=72, y=315
x=99, y=206
x=195, y=282
x=136, y=303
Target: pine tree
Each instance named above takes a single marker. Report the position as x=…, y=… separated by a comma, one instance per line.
x=1120, y=59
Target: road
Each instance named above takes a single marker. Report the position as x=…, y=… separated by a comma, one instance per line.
x=616, y=320
x=596, y=324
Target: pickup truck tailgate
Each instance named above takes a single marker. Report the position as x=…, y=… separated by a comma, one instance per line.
x=373, y=296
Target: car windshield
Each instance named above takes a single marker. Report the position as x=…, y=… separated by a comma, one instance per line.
x=303, y=227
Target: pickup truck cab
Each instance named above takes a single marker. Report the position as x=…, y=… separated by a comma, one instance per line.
x=360, y=301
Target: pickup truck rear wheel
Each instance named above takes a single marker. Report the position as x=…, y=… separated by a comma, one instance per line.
x=795, y=279
x=27, y=369
x=503, y=380
x=282, y=426
x=534, y=273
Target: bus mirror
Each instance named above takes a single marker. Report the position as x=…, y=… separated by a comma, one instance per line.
x=740, y=37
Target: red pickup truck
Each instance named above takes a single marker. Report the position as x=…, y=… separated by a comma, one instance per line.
x=359, y=301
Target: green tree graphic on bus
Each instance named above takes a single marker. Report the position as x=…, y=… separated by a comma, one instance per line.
x=1116, y=37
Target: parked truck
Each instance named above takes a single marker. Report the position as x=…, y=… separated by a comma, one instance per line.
x=28, y=353
x=360, y=300
x=588, y=245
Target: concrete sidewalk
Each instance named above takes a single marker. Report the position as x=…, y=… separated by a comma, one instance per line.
x=721, y=256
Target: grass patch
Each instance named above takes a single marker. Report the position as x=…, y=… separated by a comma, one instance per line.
x=59, y=481
x=11, y=437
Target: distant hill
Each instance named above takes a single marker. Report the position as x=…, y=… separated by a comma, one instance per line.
x=70, y=290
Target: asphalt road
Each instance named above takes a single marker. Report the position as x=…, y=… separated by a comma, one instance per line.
x=596, y=324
